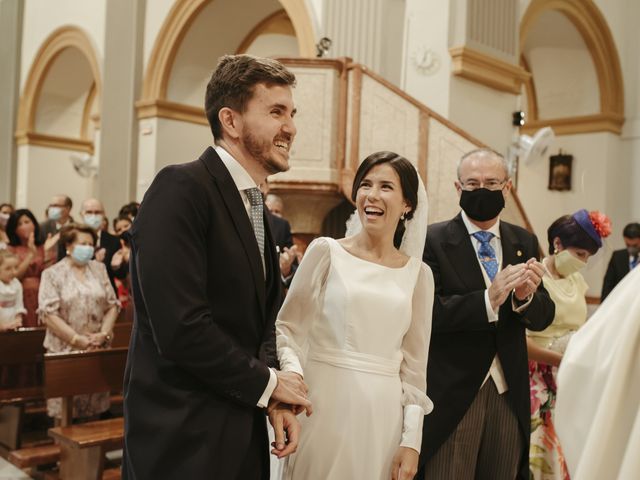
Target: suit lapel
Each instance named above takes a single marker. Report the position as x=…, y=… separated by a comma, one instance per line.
x=462, y=255
x=513, y=250
x=235, y=206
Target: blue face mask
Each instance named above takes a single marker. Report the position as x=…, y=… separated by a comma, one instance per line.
x=93, y=220
x=54, y=213
x=82, y=253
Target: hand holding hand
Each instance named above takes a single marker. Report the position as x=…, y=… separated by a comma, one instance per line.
x=97, y=340
x=117, y=259
x=291, y=390
x=287, y=431
x=82, y=342
x=504, y=282
x=534, y=272
x=405, y=464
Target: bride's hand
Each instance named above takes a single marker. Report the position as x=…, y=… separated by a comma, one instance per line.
x=285, y=424
x=405, y=464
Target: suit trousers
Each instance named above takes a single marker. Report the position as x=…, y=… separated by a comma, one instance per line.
x=486, y=444
x=256, y=464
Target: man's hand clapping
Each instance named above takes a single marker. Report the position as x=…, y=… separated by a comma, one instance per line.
x=522, y=278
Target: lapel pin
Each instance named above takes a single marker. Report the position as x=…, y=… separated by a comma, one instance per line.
x=519, y=253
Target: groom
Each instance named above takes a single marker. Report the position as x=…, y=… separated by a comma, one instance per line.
x=206, y=288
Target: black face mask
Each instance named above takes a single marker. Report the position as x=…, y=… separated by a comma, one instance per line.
x=482, y=204
x=633, y=251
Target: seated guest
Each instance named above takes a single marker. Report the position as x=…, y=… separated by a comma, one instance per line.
x=58, y=215
x=129, y=210
x=78, y=307
x=275, y=204
x=6, y=209
x=11, y=306
x=34, y=256
x=573, y=239
x=92, y=213
x=623, y=261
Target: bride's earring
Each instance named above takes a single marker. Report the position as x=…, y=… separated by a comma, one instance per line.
x=402, y=217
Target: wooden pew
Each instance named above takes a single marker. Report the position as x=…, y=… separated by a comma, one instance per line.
x=81, y=447
x=19, y=348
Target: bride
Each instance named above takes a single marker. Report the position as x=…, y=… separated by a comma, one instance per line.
x=356, y=325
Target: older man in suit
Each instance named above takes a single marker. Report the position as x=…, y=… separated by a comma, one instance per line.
x=624, y=260
x=207, y=291
x=488, y=290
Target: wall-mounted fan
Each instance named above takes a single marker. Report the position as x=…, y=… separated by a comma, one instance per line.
x=531, y=149
x=84, y=164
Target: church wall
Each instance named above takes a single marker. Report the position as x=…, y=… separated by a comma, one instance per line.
x=41, y=17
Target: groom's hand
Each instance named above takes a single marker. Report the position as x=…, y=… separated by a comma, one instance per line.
x=287, y=431
x=291, y=390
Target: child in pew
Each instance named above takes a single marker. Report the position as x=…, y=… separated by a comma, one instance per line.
x=11, y=303
x=11, y=306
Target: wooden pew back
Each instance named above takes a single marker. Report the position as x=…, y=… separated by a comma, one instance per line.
x=23, y=346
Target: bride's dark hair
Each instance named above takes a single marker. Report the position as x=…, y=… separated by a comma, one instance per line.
x=408, y=182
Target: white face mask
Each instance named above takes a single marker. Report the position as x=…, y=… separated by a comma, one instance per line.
x=93, y=220
x=4, y=219
x=566, y=264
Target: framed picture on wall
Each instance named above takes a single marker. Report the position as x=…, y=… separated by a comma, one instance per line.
x=560, y=171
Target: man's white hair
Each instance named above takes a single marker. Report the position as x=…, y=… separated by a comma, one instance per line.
x=485, y=153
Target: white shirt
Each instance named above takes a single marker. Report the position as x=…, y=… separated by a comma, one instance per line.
x=10, y=301
x=495, y=371
x=243, y=181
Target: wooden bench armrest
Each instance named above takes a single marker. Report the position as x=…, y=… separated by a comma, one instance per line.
x=109, y=433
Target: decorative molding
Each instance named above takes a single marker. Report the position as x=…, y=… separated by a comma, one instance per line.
x=487, y=70
x=278, y=22
x=54, y=44
x=593, y=27
x=54, y=141
x=423, y=145
x=599, y=122
x=530, y=90
x=171, y=110
x=177, y=24
x=86, y=112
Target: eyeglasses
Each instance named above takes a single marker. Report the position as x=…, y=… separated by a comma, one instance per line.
x=489, y=185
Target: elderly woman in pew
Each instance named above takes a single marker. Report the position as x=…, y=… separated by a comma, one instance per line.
x=79, y=308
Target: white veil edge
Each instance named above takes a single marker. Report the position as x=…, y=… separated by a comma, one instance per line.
x=415, y=232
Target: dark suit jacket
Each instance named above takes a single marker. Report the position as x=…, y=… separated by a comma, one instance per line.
x=281, y=230
x=463, y=342
x=204, y=333
x=49, y=227
x=617, y=269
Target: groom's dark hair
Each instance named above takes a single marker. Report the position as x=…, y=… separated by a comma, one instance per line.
x=408, y=181
x=233, y=81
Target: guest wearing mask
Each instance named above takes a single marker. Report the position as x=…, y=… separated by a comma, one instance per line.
x=79, y=308
x=623, y=261
x=572, y=240
x=107, y=245
x=6, y=209
x=58, y=215
x=34, y=256
x=120, y=262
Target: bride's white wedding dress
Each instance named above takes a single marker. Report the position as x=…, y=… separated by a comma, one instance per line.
x=359, y=334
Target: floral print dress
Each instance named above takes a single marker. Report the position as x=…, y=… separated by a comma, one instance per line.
x=82, y=303
x=546, y=461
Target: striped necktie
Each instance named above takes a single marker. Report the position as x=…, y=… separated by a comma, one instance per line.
x=257, y=218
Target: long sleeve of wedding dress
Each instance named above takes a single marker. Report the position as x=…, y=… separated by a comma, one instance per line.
x=302, y=306
x=415, y=351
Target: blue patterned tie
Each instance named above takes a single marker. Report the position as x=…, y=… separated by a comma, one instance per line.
x=486, y=253
x=634, y=262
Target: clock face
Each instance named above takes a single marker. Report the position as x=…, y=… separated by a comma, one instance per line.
x=426, y=61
